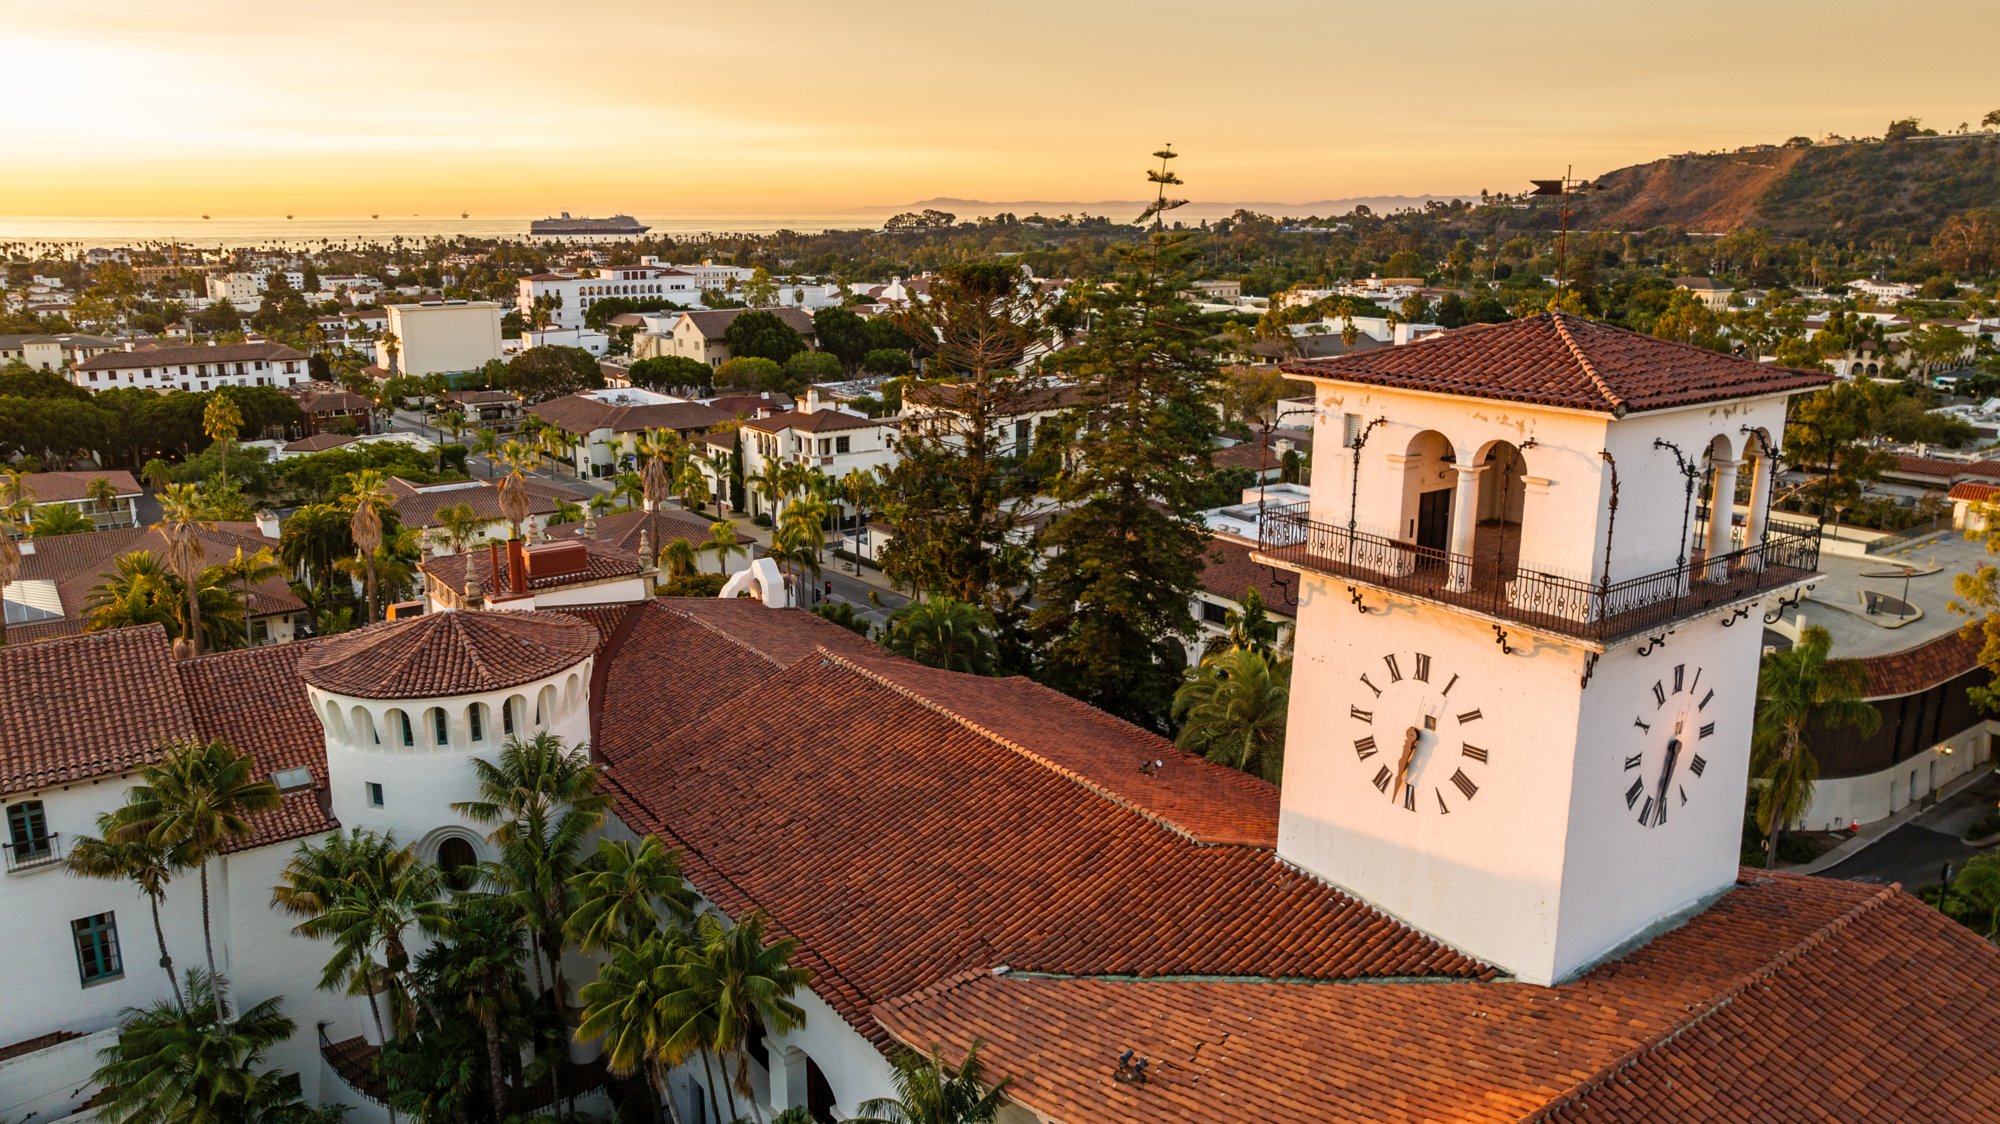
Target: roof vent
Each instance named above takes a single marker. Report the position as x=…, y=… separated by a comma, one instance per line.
x=557, y=559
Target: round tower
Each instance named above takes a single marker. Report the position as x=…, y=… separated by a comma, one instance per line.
x=407, y=707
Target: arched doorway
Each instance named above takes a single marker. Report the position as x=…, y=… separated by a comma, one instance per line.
x=457, y=861
x=1501, y=506
x=1428, y=481
x=819, y=1094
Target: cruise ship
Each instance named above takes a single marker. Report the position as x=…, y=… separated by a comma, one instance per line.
x=616, y=224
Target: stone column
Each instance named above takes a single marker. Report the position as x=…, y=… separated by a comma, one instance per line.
x=1759, y=468
x=1464, y=518
x=1721, y=512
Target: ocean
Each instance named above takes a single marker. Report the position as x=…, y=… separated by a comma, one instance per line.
x=314, y=230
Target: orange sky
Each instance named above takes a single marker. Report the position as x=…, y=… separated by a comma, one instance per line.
x=750, y=107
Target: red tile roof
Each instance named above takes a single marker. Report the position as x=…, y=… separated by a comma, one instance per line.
x=604, y=562
x=1947, y=470
x=441, y=654
x=256, y=702
x=817, y=421
x=1556, y=359
x=417, y=505
x=623, y=528
x=971, y=822
x=1791, y=999
x=581, y=414
x=1976, y=493
x=51, y=487
x=77, y=563
x=1924, y=666
x=87, y=706
x=1230, y=572
x=175, y=356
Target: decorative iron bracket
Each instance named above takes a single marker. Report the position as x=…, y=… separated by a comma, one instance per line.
x=1500, y=638
x=1354, y=595
x=1737, y=614
x=1589, y=668
x=1778, y=613
x=1655, y=642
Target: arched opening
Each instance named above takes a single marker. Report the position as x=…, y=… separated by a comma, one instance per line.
x=1501, y=504
x=365, y=732
x=475, y=722
x=1428, y=483
x=439, y=725
x=457, y=861
x=336, y=727
x=510, y=715
x=545, y=705
x=401, y=728
x=1715, y=530
x=819, y=1093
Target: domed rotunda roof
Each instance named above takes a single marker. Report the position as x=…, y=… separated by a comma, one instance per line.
x=443, y=654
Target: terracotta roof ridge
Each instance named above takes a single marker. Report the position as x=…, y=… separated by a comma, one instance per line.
x=729, y=636
x=1721, y=1001
x=1561, y=322
x=1057, y=768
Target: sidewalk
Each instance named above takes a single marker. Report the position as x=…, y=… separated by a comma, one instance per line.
x=1874, y=832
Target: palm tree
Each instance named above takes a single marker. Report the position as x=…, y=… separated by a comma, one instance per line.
x=768, y=482
x=244, y=571
x=515, y=503
x=622, y=890
x=482, y=963
x=1232, y=711
x=629, y=490
x=195, y=801
x=753, y=983
x=1800, y=691
x=859, y=488
x=679, y=558
x=195, y=1064
x=390, y=347
x=182, y=526
x=944, y=632
x=138, y=861
x=486, y=443
x=655, y=482
x=314, y=538
x=222, y=421
x=139, y=591
x=60, y=519
x=1249, y=628
x=634, y=1007
x=460, y=524
x=453, y=422
x=690, y=485
x=364, y=893
x=929, y=1092
x=722, y=541
x=367, y=498
x=542, y=800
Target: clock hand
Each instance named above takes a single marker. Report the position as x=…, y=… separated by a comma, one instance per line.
x=1403, y=764
x=1666, y=775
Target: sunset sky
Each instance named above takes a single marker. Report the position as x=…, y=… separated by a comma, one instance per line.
x=748, y=107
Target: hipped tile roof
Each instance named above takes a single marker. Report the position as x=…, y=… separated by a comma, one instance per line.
x=1557, y=359
x=68, y=487
x=1230, y=572
x=174, y=356
x=87, y=707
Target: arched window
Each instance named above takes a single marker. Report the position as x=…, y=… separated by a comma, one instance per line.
x=457, y=861
x=475, y=722
x=507, y=716
x=440, y=727
x=399, y=721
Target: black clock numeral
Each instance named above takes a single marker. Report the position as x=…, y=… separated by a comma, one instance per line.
x=1632, y=794
x=1382, y=779
x=1364, y=748
x=1395, y=673
x=1632, y=762
x=1644, y=726
x=1703, y=704
x=1646, y=813
x=1698, y=764
x=1409, y=798
x=1356, y=712
x=1695, y=682
x=1469, y=716
x=1707, y=729
x=1680, y=670
x=1684, y=794
x=1474, y=752
x=1659, y=811
x=1659, y=694
x=1443, y=808
x=1453, y=682
x=1464, y=783
x=1423, y=672
x=1365, y=682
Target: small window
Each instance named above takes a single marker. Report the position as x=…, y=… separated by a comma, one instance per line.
x=842, y=445
x=1213, y=613
x=475, y=720
x=507, y=719
x=374, y=794
x=28, y=831
x=96, y=939
x=291, y=780
x=440, y=727
x=409, y=731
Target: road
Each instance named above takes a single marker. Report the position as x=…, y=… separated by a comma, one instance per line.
x=1915, y=853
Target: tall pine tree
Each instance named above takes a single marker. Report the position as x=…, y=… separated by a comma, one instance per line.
x=954, y=497
x=1128, y=546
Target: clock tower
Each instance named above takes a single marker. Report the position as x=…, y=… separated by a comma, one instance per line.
x=1528, y=636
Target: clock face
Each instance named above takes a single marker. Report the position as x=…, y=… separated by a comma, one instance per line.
x=1417, y=736
x=1664, y=765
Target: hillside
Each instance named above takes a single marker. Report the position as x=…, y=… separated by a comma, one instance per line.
x=1844, y=192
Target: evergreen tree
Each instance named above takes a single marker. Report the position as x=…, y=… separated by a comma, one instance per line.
x=1128, y=546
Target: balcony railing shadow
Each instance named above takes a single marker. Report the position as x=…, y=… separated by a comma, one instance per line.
x=1597, y=611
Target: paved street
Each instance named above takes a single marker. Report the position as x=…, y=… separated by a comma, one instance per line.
x=1915, y=853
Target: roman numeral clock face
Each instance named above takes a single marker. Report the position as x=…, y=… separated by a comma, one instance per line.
x=1664, y=765
x=1417, y=736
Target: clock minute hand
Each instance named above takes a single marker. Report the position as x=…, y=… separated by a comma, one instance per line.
x=1666, y=775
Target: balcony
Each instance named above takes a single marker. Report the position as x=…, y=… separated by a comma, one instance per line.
x=1599, y=612
x=33, y=854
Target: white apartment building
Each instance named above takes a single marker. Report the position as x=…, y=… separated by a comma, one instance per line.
x=53, y=353
x=439, y=337
x=830, y=441
x=193, y=368
x=573, y=293
x=699, y=335
x=247, y=288
x=605, y=426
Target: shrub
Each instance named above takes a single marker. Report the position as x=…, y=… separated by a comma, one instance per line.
x=694, y=585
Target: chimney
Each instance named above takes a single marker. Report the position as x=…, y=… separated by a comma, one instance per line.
x=267, y=523
x=812, y=399
x=517, y=567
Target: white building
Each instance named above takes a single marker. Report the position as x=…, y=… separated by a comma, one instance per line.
x=699, y=335
x=606, y=426
x=568, y=295
x=246, y=289
x=830, y=441
x=439, y=337
x=194, y=368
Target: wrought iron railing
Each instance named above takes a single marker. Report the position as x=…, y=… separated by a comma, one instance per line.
x=1569, y=606
x=32, y=853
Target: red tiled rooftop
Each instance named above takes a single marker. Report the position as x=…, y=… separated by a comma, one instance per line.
x=442, y=654
x=1557, y=359
x=1975, y=493
x=52, y=732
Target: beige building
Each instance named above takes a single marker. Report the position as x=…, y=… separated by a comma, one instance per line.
x=439, y=337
